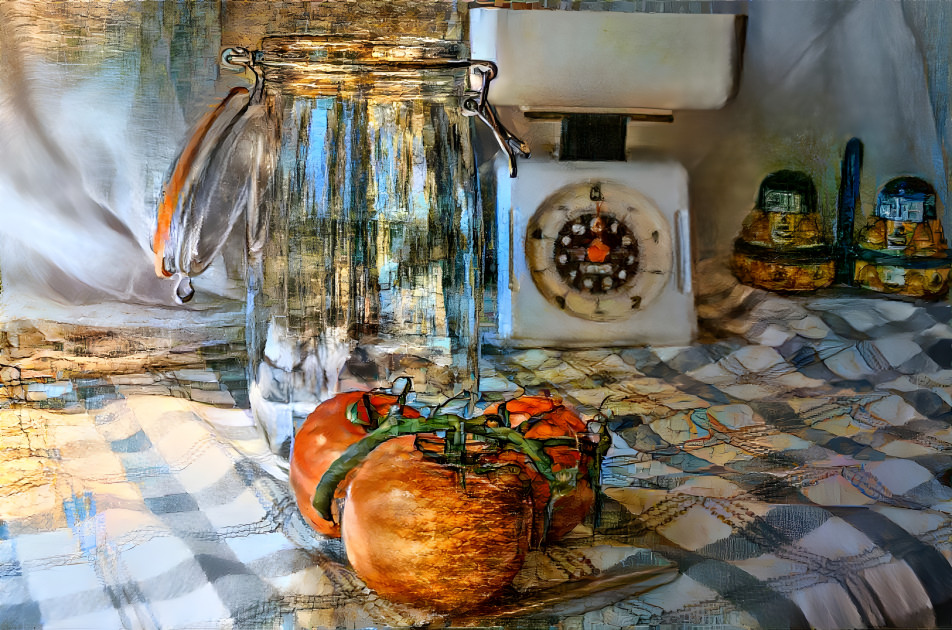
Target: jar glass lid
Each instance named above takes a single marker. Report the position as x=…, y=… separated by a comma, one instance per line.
x=328, y=65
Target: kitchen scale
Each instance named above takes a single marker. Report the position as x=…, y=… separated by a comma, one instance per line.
x=593, y=240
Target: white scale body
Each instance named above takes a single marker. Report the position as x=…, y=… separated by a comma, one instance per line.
x=538, y=305
x=635, y=288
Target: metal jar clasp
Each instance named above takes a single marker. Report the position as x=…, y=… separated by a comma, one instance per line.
x=476, y=103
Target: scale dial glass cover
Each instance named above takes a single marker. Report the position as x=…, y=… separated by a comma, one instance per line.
x=599, y=251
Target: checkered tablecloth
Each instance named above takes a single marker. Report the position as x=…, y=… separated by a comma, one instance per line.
x=795, y=467
x=793, y=473
x=834, y=514
x=160, y=512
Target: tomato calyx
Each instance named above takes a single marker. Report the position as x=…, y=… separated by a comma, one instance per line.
x=494, y=430
x=365, y=408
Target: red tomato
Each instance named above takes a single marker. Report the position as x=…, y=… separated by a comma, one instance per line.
x=321, y=439
x=548, y=418
x=415, y=534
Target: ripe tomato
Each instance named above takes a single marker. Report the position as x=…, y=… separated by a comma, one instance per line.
x=322, y=438
x=544, y=418
x=416, y=534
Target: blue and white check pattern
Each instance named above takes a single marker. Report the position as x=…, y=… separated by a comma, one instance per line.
x=796, y=467
x=794, y=471
x=157, y=512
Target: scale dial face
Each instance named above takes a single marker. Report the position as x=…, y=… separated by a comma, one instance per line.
x=599, y=251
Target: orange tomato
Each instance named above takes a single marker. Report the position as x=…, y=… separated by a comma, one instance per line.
x=418, y=533
x=546, y=417
x=320, y=441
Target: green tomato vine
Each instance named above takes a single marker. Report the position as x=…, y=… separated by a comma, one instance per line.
x=454, y=430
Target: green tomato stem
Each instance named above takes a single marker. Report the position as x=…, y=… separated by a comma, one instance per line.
x=395, y=424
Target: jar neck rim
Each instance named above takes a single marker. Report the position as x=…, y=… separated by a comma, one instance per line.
x=357, y=52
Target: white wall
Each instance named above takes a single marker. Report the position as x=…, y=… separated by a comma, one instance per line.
x=815, y=74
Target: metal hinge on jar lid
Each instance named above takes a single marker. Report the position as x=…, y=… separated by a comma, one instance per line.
x=476, y=103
